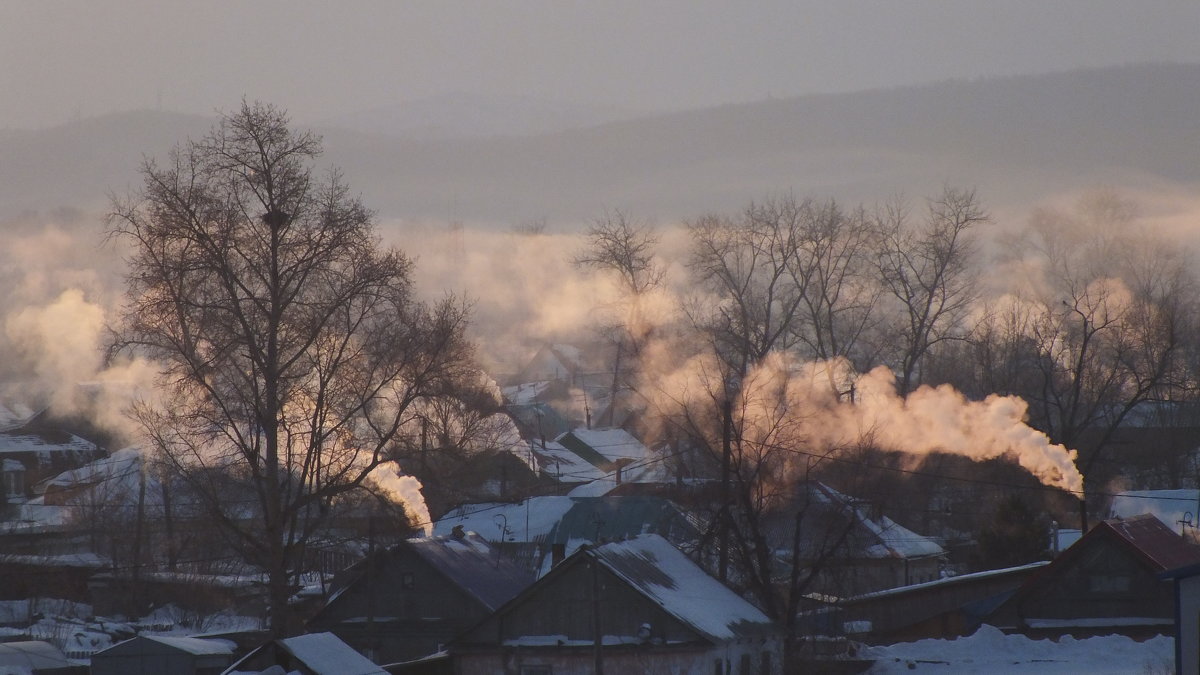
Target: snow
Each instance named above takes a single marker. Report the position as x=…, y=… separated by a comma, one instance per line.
x=530, y=520
x=689, y=593
x=565, y=465
x=195, y=646
x=990, y=652
x=325, y=654
x=524, y=394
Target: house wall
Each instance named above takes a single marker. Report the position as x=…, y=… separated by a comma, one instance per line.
x=741, y=657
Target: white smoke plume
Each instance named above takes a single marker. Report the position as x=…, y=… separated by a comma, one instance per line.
x=811, y=401
x=404, y=490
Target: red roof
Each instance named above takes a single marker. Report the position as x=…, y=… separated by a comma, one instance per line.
x=1154, y=541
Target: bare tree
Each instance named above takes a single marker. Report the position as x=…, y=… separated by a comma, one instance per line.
x=1109, y=311
x=748, y=267
x=835, y=277
x=927, y=270
x=292, y=350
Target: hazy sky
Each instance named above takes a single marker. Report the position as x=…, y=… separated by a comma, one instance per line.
x=61, y=60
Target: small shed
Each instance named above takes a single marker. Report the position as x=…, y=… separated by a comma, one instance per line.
x=312, y=654
x=164, y=655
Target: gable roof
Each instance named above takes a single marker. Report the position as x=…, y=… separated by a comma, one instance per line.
x=664, y=575
x=32, y=654
x=188, y=645
x=468, y=561
x=879, y=536
x=318, y=653
x=474, y=566
x=566, y=520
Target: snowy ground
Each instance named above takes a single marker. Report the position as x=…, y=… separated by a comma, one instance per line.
x=991, y=652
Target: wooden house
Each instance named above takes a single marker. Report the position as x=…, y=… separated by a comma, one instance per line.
x=855, y=548
x=634, y=606
x=312, y=654
x=158, y=655
x=406, y=602
x=1107, y=582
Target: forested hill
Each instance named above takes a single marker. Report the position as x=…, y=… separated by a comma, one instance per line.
x=1012, y=138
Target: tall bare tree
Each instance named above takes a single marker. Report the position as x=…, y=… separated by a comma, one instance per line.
x=928, y=273
x=292, y=349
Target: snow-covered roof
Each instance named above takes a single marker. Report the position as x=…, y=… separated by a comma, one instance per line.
x=569, y=520
x=564, y=465
x=24, y=440
x=530, y=520
x=325, y=654
x=31, y=654
x=524, y=394
x=662, y=573
x=888, y=538
x=321, y=653
x=599, y=456
x=197, y=646
x=122, y=467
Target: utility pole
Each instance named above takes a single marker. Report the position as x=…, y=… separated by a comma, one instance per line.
x=597, y=634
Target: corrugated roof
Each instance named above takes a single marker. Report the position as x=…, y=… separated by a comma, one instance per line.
x=662, y=573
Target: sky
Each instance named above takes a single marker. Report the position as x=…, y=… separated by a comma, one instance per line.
x=61, y=61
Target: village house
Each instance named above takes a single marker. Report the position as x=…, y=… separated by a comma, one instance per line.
x=1108, y=582
x=408, y=601
x=634, y=606
x=853, y=547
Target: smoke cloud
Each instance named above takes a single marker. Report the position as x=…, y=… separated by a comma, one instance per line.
x=404, y=490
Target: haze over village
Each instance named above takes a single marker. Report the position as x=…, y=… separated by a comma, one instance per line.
x=538, y=339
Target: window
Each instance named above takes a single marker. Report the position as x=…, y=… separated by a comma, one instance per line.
x=406, y=581
x=764, y=666
x=744, y=666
